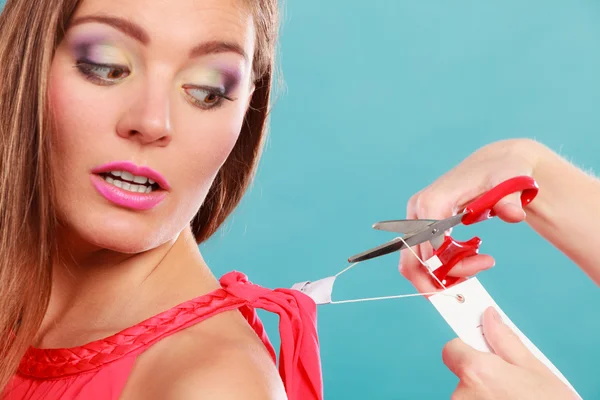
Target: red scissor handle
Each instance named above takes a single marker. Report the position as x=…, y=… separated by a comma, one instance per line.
x=450, y=253
x=483, y=208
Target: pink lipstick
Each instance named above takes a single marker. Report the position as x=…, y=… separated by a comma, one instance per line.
x=130, y=186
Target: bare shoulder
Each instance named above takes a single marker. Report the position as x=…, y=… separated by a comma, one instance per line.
x=229, y=373
x=221, y=358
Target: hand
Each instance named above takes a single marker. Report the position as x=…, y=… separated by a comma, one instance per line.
x=484, y=169
x=513, y=372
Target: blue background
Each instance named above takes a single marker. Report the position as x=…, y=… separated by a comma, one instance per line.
x=381, y=98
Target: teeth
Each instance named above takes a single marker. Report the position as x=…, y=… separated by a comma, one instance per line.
x=140, y=179
x=126, y=176
x=128, y=186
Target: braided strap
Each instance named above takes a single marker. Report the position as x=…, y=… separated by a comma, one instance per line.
x=55, y=363
x=299, y=359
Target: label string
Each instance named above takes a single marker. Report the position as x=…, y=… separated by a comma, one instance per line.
x=458, y=297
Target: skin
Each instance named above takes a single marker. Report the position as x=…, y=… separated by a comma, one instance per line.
x=119, y=266
x=516, y=372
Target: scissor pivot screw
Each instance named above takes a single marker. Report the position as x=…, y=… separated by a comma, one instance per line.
x=460, y=298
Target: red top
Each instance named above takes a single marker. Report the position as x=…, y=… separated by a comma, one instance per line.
x=99, y=370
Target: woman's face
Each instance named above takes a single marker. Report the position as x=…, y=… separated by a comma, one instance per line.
x=147, y=101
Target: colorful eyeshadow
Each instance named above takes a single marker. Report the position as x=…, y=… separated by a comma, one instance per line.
x=215, y=77
x=99, y=50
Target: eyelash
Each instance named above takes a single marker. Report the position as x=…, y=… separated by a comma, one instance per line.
x=210, y=91
x=91, y=70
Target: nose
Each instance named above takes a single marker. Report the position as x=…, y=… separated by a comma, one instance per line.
x=147, y=118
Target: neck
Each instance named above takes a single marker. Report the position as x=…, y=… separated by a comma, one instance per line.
x=97, y=292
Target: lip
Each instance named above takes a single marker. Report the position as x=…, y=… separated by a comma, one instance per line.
x=134, y=170
x=125, y=198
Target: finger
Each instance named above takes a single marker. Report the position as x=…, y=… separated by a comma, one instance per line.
x=433, y=204
x=410, y=267
x=426, y=251
x=509, y=209
x=464, y=392
x=505, y=343
x=413, y=271
x=461, y=359
x=471, y=266
x=411, y=206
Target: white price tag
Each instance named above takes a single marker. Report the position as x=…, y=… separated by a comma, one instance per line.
x=464, y=315
x=320, y=291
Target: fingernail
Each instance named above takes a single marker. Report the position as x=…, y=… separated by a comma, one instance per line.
x=495, y=315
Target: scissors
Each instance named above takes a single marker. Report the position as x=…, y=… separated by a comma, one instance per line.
x=447, y=251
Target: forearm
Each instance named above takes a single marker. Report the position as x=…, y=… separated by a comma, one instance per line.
x=566, y=211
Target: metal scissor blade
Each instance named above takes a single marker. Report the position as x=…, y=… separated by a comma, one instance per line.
x=405, y=226
x=386, y=248
x=448, y=223
x=433, y=231
x=427, y=234
x=393, y=245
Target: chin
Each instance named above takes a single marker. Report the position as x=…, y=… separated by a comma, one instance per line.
x=121, y=241
x=93, y=224
x=122, y=233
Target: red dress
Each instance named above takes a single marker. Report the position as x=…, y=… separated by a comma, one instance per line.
x=99, y=370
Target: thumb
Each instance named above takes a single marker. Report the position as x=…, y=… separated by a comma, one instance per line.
x=504, y=341
x=509, y=209
x=459, y=357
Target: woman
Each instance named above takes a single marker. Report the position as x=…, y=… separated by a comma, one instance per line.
x=130, y=131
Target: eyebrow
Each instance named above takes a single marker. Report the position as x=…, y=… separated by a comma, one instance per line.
x=135, y=31
x=127, y=27
x=215, y=47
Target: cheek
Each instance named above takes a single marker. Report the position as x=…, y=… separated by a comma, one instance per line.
x=77, y=113
x=209, y=142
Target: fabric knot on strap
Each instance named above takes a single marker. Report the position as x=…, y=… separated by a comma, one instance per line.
x=237, y=284
x=299, y=358
x=233, y=277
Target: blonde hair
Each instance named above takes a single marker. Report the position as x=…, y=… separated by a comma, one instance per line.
x=30, y=31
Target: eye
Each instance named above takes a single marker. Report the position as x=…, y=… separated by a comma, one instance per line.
x=103, y=74
x=211, y=98
x=205, y=97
